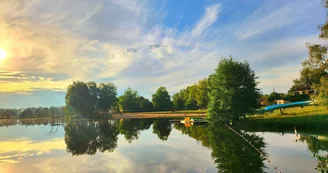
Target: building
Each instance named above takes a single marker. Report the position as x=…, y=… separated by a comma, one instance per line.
x=307, y=90
x=281, y=101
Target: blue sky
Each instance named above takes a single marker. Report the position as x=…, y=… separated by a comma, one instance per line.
x=147, y=44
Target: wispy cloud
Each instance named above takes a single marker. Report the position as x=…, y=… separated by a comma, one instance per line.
x=132, y=43
x=209, y=18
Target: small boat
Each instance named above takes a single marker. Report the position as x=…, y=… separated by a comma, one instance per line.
x=192, y=121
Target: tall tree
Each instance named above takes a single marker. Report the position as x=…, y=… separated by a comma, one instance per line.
x=162, y=100
x=315, y=69
x=129, y=100
x=202, y=94
x=145, y=104
x=79, y=98
x=107, y=96
x=233, y=93
x=178, y=101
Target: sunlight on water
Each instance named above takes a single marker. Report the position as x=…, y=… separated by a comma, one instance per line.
x=149, y=146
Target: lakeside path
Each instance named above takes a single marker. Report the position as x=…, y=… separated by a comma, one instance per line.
x=156, y=115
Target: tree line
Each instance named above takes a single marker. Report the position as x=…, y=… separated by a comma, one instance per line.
x=192, y=97
x=88, y=99
x=230, y=92
x=33, y=112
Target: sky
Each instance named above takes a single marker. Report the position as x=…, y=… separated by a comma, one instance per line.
x=144, y=44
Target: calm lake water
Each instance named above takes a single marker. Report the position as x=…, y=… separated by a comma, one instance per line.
x=154, y=146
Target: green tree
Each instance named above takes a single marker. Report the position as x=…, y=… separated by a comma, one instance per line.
x=80, y=99
x=233, y=93
x=129, y=100
x=107, y=96
x=27, y=113
x=315, y=68
x=202, y=94
x=162, y=100
x=178, y=102
x=145, y=104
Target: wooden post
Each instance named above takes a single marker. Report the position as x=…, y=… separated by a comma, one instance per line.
x=281, y=112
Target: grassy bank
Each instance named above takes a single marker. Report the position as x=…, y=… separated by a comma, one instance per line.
x=308, y=116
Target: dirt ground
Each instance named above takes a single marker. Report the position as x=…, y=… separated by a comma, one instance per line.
x=152, y=115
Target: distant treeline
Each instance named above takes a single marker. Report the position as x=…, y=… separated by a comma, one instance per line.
x=32, y=112
x=193, y=97
x=90, y=98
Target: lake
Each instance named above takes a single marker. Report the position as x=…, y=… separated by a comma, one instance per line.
x=155, y=145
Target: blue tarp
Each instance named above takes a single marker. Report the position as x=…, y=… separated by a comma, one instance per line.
x=287, y=105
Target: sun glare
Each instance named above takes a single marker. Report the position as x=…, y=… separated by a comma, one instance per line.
x=2, y=54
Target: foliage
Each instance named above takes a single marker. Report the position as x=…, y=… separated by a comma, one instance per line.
x=27, y=113
x=145, y=104
x=322, y=97
x=87, y=99
x=274, y=96
x=193, y=97
x=87, y=137
x=315, y=68
x=130, y=128
x=107, y=96
x=79, y=97
x=130, y=101
x=178, y=101
x=297, y=98
x=233, y=93
x=162, y=128
x=232, y=153
x=161, y=100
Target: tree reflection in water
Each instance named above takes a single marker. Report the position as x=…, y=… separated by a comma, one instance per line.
x=162, y=128
x=230, y=152
x=86, y=137
x=316, y=144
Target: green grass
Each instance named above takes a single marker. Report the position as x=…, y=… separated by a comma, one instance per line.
x=176, y=112
x=307, y=115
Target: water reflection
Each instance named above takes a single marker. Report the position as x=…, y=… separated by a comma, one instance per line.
x=315, y=145
x=229, y=152
x=87, y=137
x=162, y=128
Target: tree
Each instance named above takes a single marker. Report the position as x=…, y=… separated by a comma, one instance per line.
x=94, y=93
x=178, y=102
x=315, y=68
x=27, y=113
x=162, y=100
x=79, y=98
x=42, y=112
x=145, y=104
x=107, y=96
x=233, y=93
x=129, y=100
x=202, y=94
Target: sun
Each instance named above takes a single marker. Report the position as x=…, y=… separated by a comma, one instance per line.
x=2, y=54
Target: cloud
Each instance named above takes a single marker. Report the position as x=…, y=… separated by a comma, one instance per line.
x=209, y=18
x=265, y=19
x=55, y=43
x=14, y=151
